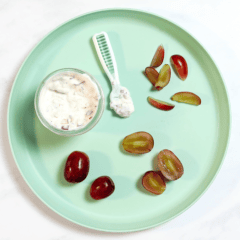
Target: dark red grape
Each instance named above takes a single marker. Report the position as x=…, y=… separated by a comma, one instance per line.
x=77, y=167
x=102, y=187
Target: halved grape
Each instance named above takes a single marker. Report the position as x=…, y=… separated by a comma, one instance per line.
x=153, y=182
x=170, y=165
x=138, y=143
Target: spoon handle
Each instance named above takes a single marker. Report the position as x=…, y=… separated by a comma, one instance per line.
x=106, y=56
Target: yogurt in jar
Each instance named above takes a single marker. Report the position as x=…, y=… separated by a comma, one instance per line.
x=69, y=100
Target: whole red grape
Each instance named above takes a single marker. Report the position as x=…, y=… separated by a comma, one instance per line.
x=102, y=187
x=77, y=167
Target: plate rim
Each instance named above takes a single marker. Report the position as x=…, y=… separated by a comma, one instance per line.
x=154, y=15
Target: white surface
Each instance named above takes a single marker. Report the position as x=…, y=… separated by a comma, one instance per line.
x=215, y=24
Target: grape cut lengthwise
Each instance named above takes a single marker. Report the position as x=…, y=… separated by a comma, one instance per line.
x=158, y=57
x=102, y=187
x=180, y=65
x=163, y=77
x=154, y=182
x=187, y=97
x=152, y=75
x=77, y=167
x=160, y=104
x=170, y=165
x=138, y=143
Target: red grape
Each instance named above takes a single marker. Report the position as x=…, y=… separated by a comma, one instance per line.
x=169, y=164
x=77, y=167
x=180, y=65
x=154, y=182
x=102, y=187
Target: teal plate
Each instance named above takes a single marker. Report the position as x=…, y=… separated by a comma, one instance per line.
x=198, y=135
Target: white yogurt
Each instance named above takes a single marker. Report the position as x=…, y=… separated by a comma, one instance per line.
x=69, y=100
x=121, y=101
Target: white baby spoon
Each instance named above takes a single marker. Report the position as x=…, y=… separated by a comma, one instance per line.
x=120, y=99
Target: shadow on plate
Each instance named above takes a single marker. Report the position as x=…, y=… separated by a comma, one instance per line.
x=123, y=187
x=87, y=196
x=61, y=179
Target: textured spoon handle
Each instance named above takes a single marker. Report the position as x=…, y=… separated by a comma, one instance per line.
x=106, y=56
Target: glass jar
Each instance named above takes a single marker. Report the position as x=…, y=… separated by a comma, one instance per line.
x=78, y=131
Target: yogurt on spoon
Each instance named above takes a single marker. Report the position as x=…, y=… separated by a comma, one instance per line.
x=120, y=99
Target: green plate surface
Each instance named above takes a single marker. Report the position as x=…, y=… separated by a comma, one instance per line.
x=198, y=135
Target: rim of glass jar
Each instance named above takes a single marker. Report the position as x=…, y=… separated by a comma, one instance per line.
x=79, y=131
